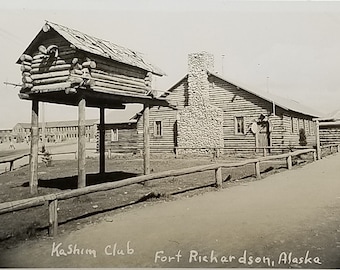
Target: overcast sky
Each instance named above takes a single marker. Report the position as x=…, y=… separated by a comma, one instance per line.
x=291, y=49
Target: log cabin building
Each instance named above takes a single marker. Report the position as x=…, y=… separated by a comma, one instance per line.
x=212, y=112
x=329, y=128
x=65, y=66
x=121, y=131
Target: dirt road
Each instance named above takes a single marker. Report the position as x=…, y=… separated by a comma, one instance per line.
x=287, y=220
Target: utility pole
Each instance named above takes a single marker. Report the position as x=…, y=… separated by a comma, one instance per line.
x=223, y=65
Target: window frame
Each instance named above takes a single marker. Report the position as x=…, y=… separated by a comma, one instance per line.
x=236, y=127
x=114, y=134
x=155, y=128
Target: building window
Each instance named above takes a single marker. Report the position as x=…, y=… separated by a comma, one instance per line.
x=292, y=123
x=114, y=135
x=158, y=132
x=311, y=127
x=239, y=125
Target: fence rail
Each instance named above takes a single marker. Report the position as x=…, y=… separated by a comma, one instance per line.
x=12, y=159
x=331, y=146
x=53, y=199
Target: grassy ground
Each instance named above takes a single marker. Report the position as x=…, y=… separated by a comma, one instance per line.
x=72, y=213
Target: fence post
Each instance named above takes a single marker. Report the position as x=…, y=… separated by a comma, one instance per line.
x=289, y=162
x=11, y=165
x=218, y=177
x=257, y=170
x=264, y=151
x=338, y=148
x=53, y=217
x=314, y=155
x=176, y=152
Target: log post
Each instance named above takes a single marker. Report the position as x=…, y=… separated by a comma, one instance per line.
x=146, y=136
x=11, y=165
x=289, y=162
x=338, y=148
x=264, y=151
x=314, y=156
x=53, y=218
x=81, y=143
x=317, y=135
x=102, y=141
x=257, y=170
x=218, y=177
x=33, y=180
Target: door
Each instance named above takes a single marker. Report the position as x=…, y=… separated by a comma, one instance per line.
x=263, y=134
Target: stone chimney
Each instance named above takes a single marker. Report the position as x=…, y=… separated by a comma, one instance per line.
x=198, y=85
x=200, y=124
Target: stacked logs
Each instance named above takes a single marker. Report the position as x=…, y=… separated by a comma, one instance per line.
x=119, y=78
x=51, y=67
x=99, y=74
x=81, y=71
x=61, y=67
x=26, y=67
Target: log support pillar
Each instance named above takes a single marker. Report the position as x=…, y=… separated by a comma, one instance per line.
x=33, y=180
x=146, y=137
x=102, y=141
x=81, y=144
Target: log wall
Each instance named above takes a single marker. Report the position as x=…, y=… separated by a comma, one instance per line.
x=127, y=138
x=234, y=102
x=329, y=134
x=57, y=65
x=168, y=118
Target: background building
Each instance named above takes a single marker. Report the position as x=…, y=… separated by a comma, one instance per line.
x=5, y=135
x=58, y=131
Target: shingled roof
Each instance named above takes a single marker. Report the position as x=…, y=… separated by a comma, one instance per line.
x=98, y=46
x=333, y=116
x=285, y=103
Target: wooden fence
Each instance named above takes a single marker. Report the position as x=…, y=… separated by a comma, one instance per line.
x=334, y=146
x=53, y=199
x=12, y=159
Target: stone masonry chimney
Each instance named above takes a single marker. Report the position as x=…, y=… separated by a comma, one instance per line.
x=200, y=124
x=198, y=84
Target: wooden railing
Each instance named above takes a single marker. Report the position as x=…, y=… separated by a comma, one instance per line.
x=12, y=159
x=335, y=146
x=53, y=199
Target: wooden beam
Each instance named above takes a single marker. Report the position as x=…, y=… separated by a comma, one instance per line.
x=33, y=180
x=317, y=137
x=102, y=141
x=81, y=144
x=146, y=136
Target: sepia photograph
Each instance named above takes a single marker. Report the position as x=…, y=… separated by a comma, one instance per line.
x=170, y=134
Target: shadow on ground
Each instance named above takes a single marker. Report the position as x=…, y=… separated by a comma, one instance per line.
x=70, y=182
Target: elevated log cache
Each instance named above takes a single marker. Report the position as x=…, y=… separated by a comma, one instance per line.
x=65, y=66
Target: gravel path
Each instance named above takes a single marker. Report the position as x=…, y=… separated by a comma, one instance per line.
x=290, y=219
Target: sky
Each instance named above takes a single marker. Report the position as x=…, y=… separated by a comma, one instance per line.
x=287, y=48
